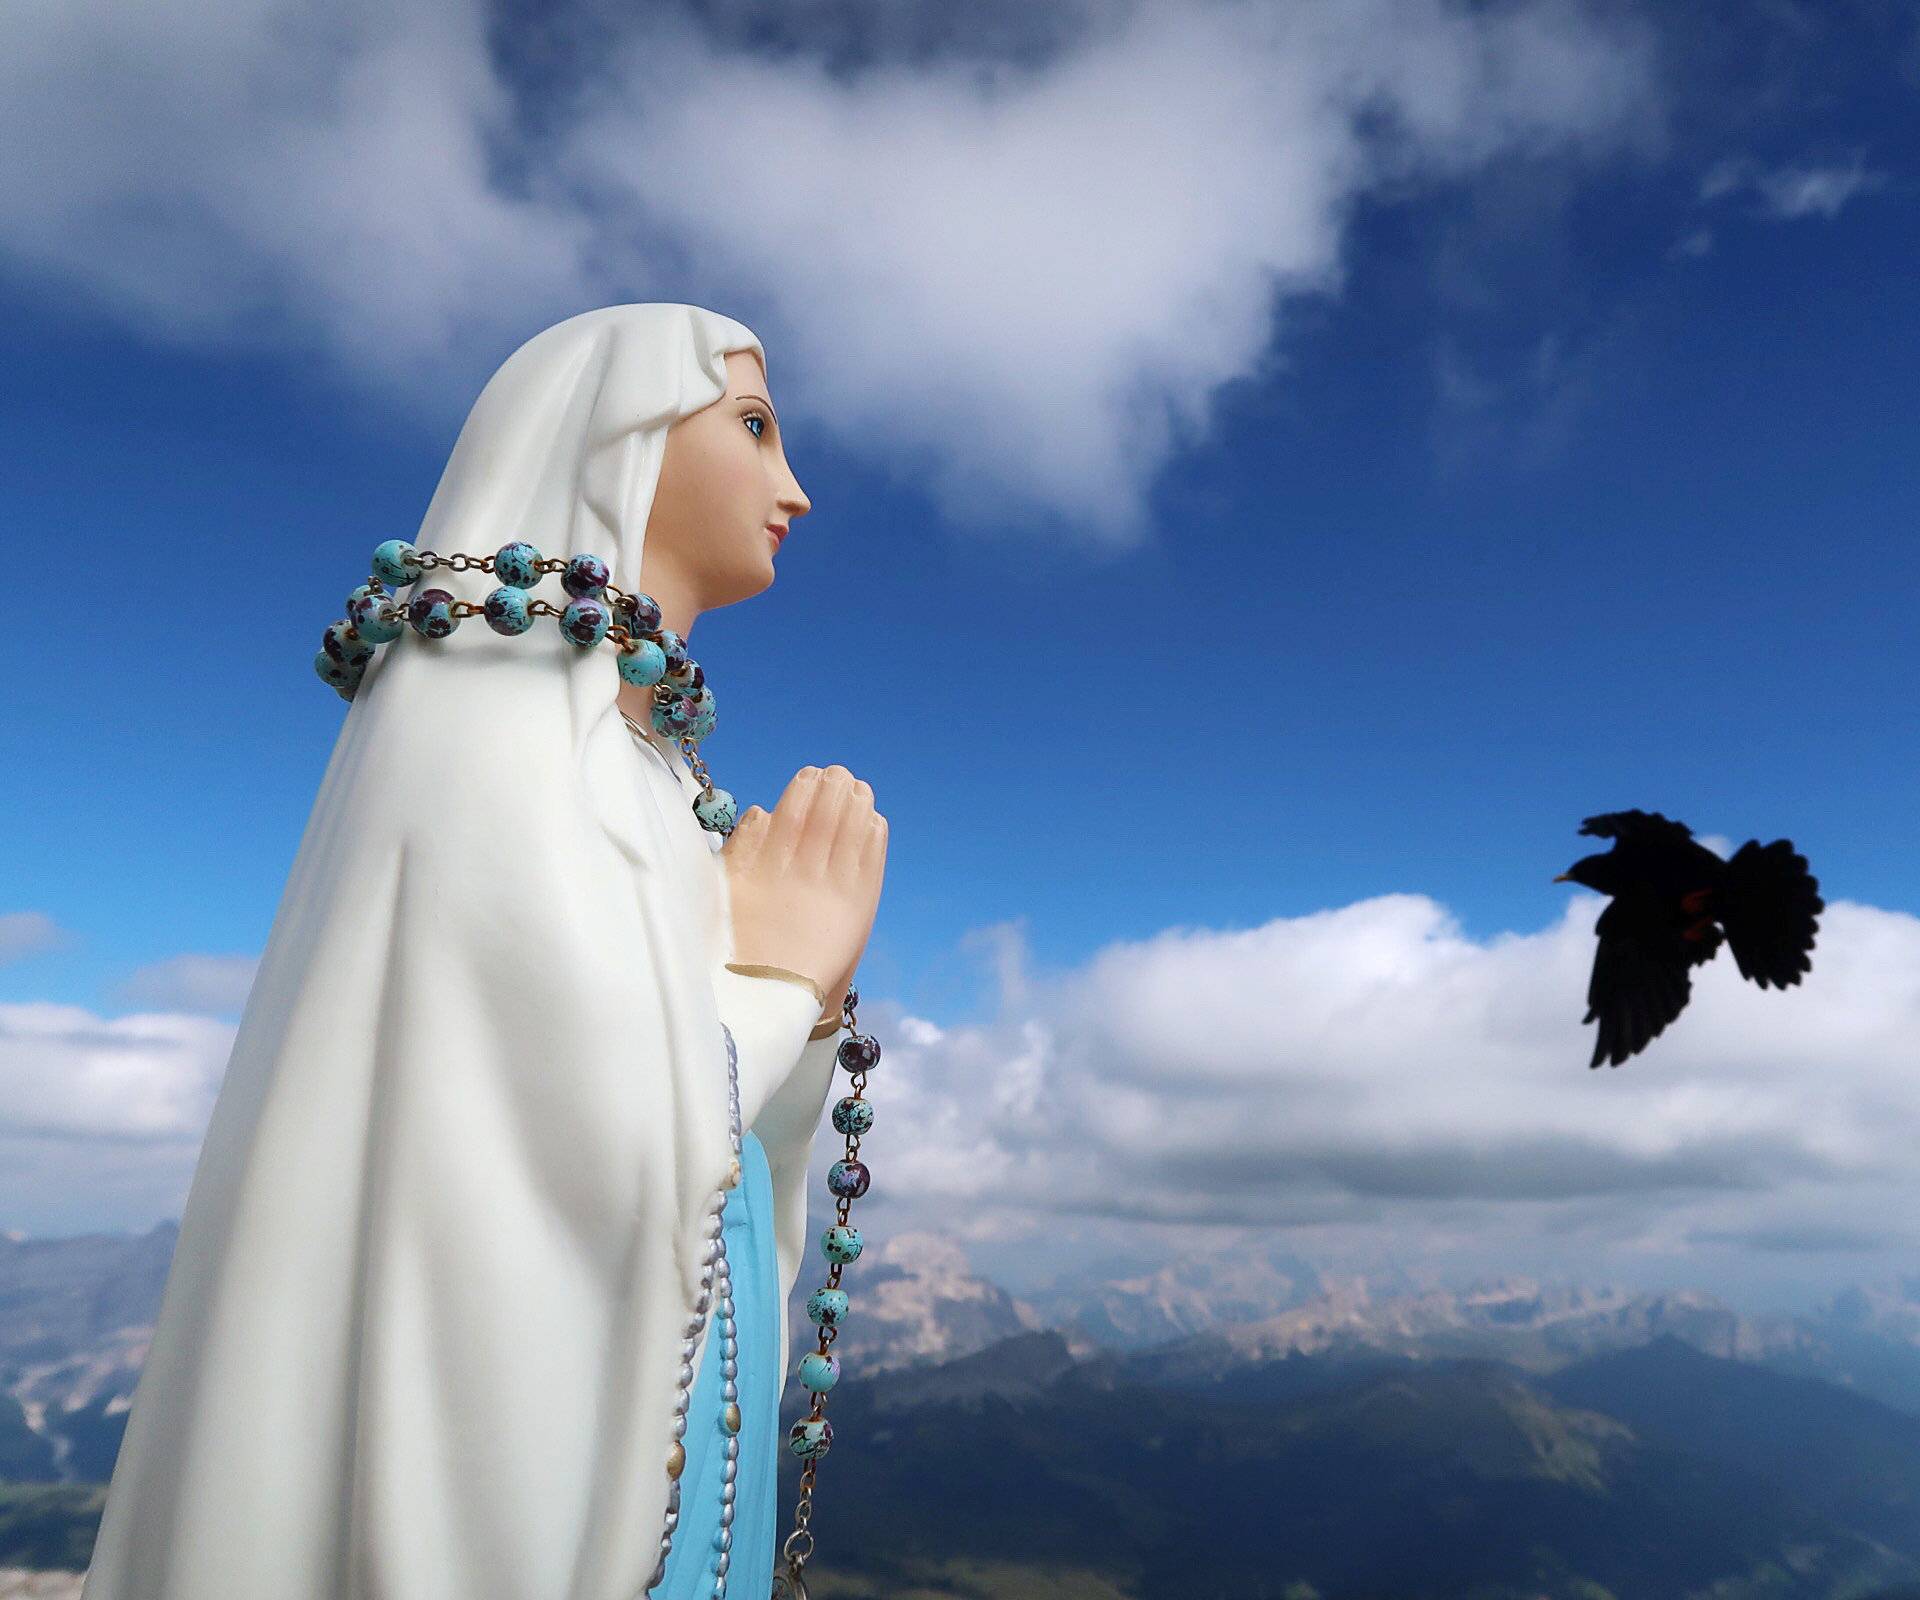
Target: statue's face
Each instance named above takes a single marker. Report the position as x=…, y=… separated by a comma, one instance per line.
x=723, y=480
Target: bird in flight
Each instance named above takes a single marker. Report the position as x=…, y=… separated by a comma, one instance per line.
x=1672, y=902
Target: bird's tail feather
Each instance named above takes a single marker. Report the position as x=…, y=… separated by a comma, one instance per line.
x=1769, y=906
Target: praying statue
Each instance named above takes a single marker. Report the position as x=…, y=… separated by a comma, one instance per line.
x=481, y=1283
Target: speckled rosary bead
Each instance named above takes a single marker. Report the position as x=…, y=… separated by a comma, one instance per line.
x=397, y=563
x=586, y=578
x=858, y=1052
x=585, y=621
x=642, y=663
x=716, y=812
x=375, y=614
x=841, y=1243
x=810, y=1437
x=517, y=564
x=639, y=613
x=827, y=1307
x=848, y=1179
x=819, y=1370
x=343, y=642
x=430, y=613
x=508, y=610
x=675, y=648
x=853, y=1115
x=337, y=673
x=672, y=715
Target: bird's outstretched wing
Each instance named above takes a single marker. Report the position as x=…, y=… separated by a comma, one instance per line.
x=1636, y=825
x=1640, y=983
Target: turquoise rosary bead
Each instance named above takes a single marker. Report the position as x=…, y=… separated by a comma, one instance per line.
x=810, y=1437
x=672, y=716
x=645, y=663
x=517, y=564
x=374, y=614
x=430, y=613
x=345, y=645
x=586, y=578
x=337, y=673
x=508, y=610
x=852, y=1115
x=639, y=613
x=841, y=1243
x=585, y=621
x=716, y=811
x=827, y=1307
x=819, y=1370
x=397, y=562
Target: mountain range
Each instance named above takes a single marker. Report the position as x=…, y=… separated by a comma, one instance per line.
x=1243, y=1425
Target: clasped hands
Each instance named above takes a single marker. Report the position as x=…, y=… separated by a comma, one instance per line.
x=804, y=879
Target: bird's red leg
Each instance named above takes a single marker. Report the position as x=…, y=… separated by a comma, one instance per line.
x=1699, y=929
x=1696, y=902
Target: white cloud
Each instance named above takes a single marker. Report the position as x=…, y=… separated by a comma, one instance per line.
x=197, y=983
x=1021, y=282
x=68, y=1073
x=1787, y=193
x=101, y=1120
x=28, y=933
x=1363, y=1083
x=1381, y=1086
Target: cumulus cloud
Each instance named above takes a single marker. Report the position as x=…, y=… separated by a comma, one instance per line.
x=101, y=1119
x=67, y=1073
x=196, y=983
x=1015, y=273
x=1787, y=193
x=28, y=933
x=1364, y=1083
x=1375, y=1082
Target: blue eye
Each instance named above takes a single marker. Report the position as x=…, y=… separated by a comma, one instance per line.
x=754, y=417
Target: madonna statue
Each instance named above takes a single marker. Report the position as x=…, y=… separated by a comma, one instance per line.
x=437, y=1325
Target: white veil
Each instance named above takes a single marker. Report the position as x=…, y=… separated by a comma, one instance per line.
x=423, y=1326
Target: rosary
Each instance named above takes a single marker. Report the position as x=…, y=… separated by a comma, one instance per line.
x=650, y=655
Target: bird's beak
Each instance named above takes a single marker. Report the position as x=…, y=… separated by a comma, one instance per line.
x=1563, y=878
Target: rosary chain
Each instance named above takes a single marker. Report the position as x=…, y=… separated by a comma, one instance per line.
x=799, y=1544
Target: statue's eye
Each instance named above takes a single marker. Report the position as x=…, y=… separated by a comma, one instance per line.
x=757, y=423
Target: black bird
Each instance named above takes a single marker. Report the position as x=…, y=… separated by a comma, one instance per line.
x=1668, y=893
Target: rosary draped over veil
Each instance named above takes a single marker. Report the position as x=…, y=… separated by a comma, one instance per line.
x=422, y=1329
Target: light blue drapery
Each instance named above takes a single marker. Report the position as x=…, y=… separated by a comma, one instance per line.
x=747, y=1227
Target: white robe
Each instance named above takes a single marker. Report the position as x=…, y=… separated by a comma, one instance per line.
x=421, y=1335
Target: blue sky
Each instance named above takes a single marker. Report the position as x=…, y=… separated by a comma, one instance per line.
x=1556, y=458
